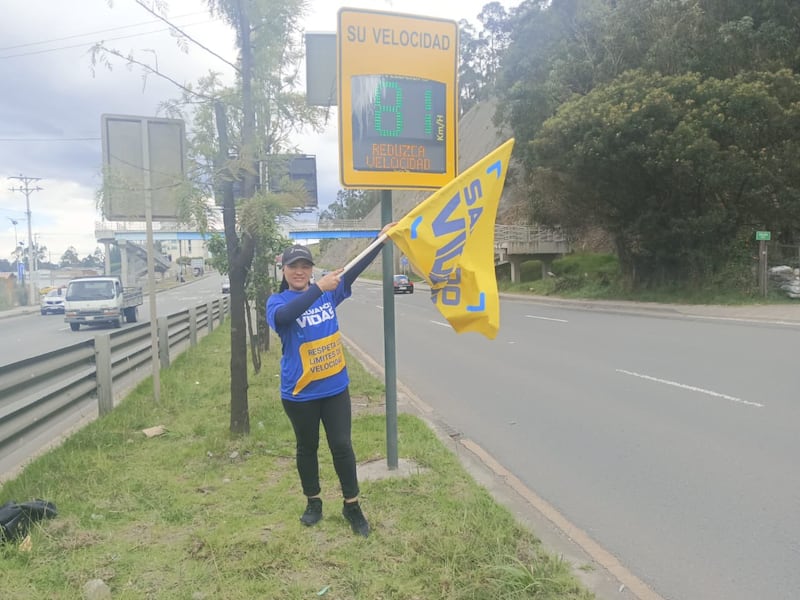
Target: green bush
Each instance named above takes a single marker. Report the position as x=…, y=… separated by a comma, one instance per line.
x=598, y=276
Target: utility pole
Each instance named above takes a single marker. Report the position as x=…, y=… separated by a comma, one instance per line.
x=25, y=188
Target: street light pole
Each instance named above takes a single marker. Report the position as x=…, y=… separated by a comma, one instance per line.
x=14, y=223
x=16, y=245
x=26, y=189
x=16, y=241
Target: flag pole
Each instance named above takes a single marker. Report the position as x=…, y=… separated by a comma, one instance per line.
x=381, y=238
x=389, y=342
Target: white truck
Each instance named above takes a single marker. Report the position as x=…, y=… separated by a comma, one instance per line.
x=100, y=300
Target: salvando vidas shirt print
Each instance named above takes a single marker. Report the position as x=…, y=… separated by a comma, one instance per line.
x=313, y=363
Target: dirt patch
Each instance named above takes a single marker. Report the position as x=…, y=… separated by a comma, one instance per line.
x=364, y=405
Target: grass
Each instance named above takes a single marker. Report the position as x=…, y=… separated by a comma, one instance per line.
x=597, y=277
x=593, y=276
x=201, y=514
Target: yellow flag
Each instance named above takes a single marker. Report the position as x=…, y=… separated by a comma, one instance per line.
x=449, y=240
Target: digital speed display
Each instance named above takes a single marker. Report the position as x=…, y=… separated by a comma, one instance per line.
x=399, y=124
x=398, y=100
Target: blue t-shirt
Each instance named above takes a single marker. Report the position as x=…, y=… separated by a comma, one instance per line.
x=312, y=365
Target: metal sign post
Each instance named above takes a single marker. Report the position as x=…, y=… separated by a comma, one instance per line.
x=144, y=160
x=151, y=269
x=763, y=237
x=398, y=114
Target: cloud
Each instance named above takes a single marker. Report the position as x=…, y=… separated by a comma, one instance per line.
x=50, y=118
x=51, y=105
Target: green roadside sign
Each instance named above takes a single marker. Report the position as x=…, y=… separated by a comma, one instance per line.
x=762, y=236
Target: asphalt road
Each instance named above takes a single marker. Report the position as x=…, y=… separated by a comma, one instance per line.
x=34, y=334
x=672, y=442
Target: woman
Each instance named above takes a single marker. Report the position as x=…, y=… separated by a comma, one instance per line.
x=314, y=380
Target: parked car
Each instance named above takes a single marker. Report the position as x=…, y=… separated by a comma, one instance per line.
x=403, y=285
x=226, y=286
x=52, y=303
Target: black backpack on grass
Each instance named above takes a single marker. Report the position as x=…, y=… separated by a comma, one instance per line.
x=16, y=519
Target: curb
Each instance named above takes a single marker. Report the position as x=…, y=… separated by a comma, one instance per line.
x=18, y=312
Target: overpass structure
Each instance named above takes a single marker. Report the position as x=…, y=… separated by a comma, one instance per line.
x=513, y=244
x=330, y=230
x=128, y=238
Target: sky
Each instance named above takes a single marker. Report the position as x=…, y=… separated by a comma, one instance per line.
x=53, y=98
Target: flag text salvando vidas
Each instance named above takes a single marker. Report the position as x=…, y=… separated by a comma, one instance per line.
x=449, y=240
x=444, y=269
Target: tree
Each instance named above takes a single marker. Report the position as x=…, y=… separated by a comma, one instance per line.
x=94, y=260
x=69, y=258
x=350, y=204
x=565, y=47
x=17, y=253
x=470, y=79
x=678, y=169
x=495, y=36
x=233, y=130
x=270, y=60
x=35, y=254
x=480, y=54
x=562, y=53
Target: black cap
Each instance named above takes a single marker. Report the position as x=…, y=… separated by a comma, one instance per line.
x=295, y=253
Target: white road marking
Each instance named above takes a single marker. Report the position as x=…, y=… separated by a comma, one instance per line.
x=546, y=319
x=441, y=324
x=691, y=388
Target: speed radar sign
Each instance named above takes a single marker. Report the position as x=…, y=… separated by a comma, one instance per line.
x=397, y=100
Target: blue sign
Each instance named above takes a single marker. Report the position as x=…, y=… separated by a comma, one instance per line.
x=20, y=271
x=404, y=261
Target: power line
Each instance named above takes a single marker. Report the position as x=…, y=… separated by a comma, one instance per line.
x=83, y=45
x=65, y=139
x=91, y=33
x=186, y=35
x=75, y=139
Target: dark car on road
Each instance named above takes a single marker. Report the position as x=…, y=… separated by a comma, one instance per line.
x=403, y=285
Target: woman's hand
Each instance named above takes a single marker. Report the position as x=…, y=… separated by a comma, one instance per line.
x=330, y=281
x=387, y=227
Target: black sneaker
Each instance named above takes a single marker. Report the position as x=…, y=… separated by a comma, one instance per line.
x=358, y=523
x=313, y=513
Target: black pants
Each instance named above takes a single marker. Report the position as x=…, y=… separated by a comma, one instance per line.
x=334, y=412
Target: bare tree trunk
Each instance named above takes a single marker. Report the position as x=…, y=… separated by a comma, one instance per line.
x=238, y=261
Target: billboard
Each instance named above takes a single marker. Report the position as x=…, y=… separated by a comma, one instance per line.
x=285, y=170
x=321, y=69
x=141, y=156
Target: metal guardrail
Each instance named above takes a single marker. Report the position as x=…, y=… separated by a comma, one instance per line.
x=37, y=392
x=337, y=225
x=141, y=227
x=525, y=234
x=502, y=233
